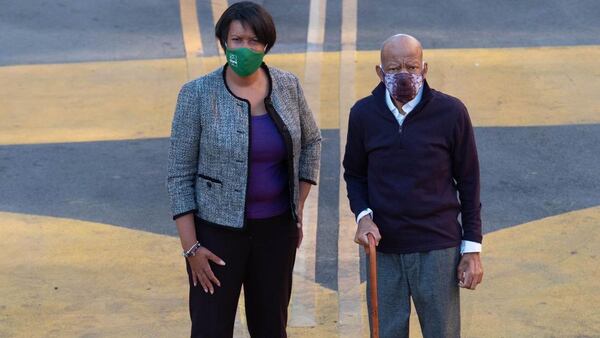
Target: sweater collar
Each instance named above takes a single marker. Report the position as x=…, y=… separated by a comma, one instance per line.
x=407, y=107
x=380, y=97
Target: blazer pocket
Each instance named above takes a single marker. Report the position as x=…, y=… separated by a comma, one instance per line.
x=210, y=179
x=209, y=198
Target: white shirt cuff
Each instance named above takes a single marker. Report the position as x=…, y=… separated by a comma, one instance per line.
x=468, y=246
x=364, y=213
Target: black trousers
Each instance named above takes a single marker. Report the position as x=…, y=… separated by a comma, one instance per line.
x=261, y=258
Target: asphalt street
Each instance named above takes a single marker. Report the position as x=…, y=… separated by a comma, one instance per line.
x=527, y=173
x=38, y=31
x=75, y=31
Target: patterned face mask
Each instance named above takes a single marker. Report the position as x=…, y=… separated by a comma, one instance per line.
x=403, y=87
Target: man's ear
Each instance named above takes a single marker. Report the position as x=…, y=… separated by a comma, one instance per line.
x=425, y=69
x=379, y=72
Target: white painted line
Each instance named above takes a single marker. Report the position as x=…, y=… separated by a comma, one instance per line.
x=191, y=37
x=218, y=7
x=351, y=320
x=303, y=308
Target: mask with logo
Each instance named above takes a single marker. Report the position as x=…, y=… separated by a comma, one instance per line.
x=403, y=87
x=244, y=61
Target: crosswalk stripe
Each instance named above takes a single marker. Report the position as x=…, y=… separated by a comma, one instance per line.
x=349, y=290
x=218, y=7
x=191, y=37
x=303, y=308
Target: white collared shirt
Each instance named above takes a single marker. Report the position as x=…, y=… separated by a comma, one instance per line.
x=465, y=246
x=406, y=108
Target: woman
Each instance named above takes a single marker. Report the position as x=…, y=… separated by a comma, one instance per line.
x=244, y=152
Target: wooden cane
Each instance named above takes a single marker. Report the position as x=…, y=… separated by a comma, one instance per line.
x=373, y=287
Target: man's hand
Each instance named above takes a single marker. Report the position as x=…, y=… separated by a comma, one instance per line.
x=366, y=226
x=470, y=271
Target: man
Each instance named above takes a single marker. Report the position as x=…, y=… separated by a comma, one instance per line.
x=410, y=152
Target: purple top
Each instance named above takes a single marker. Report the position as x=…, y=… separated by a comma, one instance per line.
x=268, y=194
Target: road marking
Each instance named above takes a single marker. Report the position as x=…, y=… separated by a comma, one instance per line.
x=191, y=38
x=500, y=92
x=302, y=310
x=316, y=25
x=218, y=7
x=135, y=294
x=554, y=285
x=86, y=101
x=351, y=319
x=89, y=279
x=95, y=101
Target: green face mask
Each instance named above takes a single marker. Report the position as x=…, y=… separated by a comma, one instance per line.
x=244, y=61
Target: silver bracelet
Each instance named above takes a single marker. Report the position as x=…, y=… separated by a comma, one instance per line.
x=191, y=251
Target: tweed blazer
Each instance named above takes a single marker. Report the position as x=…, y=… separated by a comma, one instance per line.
x=209, y=150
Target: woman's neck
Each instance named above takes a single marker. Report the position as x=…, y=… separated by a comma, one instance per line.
x=247, y=81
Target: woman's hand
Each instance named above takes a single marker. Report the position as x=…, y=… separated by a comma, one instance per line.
x=201, y=271
x=299, y=224
x=302, y=195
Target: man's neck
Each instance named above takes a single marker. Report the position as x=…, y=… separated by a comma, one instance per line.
x=399, y=105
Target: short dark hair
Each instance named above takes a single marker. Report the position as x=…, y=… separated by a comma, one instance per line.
x=250, y=15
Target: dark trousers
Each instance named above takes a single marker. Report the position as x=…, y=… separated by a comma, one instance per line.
x=261, y=258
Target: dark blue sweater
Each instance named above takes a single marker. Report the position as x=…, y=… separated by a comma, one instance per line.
x=418, y=178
